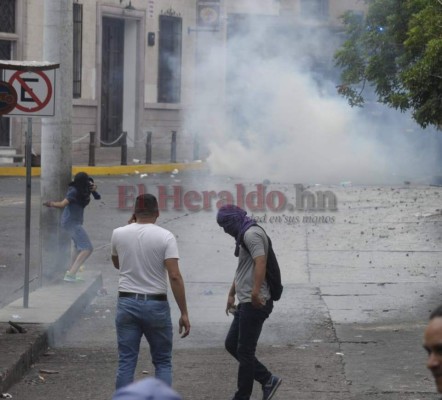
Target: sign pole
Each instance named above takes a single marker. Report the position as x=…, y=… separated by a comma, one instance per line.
x=36, y=98
x=28, y=158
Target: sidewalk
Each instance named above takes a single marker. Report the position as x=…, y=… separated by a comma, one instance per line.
x=108, y=162
x=357, y=295
x=51, y=311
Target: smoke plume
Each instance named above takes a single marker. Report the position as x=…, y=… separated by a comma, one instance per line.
x=277, y=115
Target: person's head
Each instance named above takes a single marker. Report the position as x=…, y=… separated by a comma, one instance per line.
x=231, y=219
x=82, y=184
x=81, y=179
x=146, y=206
x=433, y=346
x=146, y=389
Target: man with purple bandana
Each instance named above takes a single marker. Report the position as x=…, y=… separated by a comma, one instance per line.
x=254, y=301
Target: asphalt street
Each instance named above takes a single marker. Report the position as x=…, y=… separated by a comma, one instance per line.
x=359, y=281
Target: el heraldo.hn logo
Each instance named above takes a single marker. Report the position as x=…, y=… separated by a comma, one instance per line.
x=257, y=200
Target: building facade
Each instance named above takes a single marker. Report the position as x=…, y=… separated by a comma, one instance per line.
x=141, y=66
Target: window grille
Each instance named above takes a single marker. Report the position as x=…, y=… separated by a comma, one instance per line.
x=78, y=45
x=169, y=71
x=5, y=54
x=7, y=16
x=5, y=50
x=7, y=25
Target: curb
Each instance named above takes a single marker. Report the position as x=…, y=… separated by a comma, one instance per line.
x=111, y=169
x=61, y=325
x=23, y=357
x=21, y=351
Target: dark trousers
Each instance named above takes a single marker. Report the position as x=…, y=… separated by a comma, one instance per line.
x=241, y=342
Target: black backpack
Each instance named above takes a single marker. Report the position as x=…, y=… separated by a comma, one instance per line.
x=273, y=273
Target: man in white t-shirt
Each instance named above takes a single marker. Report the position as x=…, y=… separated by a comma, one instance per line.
x=146, y=254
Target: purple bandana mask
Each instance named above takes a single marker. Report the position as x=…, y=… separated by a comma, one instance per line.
x=235, y=222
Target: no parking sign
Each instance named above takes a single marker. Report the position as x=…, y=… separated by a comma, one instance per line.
x=35, y=92
x=8, y=98
x=28, y=88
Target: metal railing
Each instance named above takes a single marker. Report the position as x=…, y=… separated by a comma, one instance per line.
x=147, y=139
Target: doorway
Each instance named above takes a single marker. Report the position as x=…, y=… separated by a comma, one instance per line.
x=112, y=79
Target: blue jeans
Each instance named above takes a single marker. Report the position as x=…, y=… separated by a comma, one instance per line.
x=80, y=237
x=150, y=318
x=241, y=342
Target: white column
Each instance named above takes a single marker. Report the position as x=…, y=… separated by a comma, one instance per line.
x=56, y=141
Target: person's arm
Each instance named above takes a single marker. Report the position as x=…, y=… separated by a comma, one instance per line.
x=259, y=274
x=177, y=286
x=56, y=204
x=96, y=195
x=114, y=253
x=231, y=299
x=116, y=262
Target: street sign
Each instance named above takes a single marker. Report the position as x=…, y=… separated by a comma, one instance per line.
x=34, y=82
x=8, y=98
x=35, y=92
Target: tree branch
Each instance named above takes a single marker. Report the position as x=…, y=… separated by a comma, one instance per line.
x=363, y=84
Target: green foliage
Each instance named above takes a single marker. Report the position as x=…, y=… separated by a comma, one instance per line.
x=396, y=49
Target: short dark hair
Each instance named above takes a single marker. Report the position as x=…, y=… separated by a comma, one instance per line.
x=436, y=313
x=146, y=204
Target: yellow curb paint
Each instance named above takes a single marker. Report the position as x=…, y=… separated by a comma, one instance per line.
x=19, y=171
x=111, y=169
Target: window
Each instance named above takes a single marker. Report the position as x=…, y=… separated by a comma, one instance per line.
x=318, y=9
x=7, y=25
x=78, y=42
x=7, y=16
x=169, y=71
x=5, y=50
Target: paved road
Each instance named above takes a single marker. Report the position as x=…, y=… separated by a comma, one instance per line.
x=359, y=284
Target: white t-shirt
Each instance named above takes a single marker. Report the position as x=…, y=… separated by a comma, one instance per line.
x=141, y=250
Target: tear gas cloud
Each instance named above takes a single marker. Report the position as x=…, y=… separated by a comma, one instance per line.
x=282, y=119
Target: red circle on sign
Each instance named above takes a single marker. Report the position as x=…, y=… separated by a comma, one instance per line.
x=8, y=98
x=40, y=103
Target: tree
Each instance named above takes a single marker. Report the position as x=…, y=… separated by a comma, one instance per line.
x=396, y=50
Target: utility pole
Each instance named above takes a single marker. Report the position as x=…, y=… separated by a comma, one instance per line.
x=56, y=139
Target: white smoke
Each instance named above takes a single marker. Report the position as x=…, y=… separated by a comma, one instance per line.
x=282, y=119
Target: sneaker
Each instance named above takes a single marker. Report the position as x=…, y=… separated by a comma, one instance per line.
x=69, y=278
x=269, y=389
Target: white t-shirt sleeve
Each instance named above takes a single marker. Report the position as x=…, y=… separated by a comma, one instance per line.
x=113, y=245
x=171, y=247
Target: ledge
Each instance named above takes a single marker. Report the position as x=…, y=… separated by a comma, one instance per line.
x=111, y=169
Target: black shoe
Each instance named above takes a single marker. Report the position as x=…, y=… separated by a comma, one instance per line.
x=269, y=389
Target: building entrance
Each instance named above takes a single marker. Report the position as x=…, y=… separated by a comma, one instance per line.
x=112, y=78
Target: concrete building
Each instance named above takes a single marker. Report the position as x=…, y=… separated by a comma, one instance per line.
x=143, y=66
